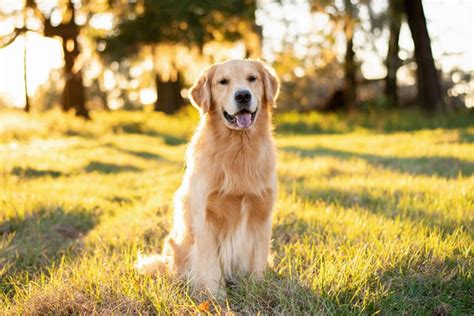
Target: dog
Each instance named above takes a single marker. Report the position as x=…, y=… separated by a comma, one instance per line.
x=223, y=208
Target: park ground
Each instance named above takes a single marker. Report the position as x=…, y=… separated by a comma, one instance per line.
x=375, y=214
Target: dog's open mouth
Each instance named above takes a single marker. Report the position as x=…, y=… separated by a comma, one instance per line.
x=242, y=119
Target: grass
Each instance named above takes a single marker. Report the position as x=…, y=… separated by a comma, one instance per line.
x=375, y=214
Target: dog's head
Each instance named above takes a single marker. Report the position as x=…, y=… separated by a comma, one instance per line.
x=236, y=90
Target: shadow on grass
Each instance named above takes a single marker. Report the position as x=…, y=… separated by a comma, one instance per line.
x=417, y=283
x=421, y=286
x=446, y=167
x=137, y=153
x=425, y=286
x=29, y=172
x=387, y=205
x=36, y=242
x=144, y=154
x=466, y=136
x=171, y=140
x=276, y=294
x=139, y=128
x=103, y=167
x=376, y=121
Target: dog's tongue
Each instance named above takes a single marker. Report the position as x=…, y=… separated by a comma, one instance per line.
x=244, y=119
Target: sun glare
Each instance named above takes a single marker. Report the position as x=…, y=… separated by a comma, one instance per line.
x=147, y=96
x=43, y=55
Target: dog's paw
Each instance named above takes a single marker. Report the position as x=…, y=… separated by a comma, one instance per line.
x=150, y=264
x=216, y=294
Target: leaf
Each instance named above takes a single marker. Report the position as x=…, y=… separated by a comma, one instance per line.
x=204, y=306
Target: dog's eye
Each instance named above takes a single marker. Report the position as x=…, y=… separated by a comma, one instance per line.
x=223, y=81
x=252, y=78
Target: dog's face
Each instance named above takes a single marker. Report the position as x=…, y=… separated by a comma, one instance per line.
x=236, y=91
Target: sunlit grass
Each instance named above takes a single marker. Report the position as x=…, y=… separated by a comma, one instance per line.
x=373, y=215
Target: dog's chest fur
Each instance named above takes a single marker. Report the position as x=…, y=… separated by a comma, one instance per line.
x=237, y=220
x=239, y=206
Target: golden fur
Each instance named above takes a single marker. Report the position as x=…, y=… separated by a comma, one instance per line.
x=222, y=215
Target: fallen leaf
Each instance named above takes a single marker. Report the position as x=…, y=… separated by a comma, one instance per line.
x=204, y=306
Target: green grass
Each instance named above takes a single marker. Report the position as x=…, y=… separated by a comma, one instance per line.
x=375, y=214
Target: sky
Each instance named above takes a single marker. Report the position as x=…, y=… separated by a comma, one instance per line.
x=450, y=23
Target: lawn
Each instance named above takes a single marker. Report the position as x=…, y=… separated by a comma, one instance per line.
x=375, y=214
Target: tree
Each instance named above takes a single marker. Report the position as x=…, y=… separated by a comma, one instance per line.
x=392, y=61
x=25, y=74
x=73, y=92
x=68, y=30
x=9, y=39
x=187, y=23
x=350, y=84
x=169, y=94
x=25, y=64
x=343, y=16
x=430, y=94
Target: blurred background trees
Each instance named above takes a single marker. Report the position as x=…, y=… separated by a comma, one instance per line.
x=132, y=54
x=393, y=62
x=165, y=27
x=430, y=95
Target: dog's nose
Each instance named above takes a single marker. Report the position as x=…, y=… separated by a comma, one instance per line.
x=243, y=97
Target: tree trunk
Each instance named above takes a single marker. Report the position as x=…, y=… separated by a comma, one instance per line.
x=73, y=92
x=349, y=64
x=73, y=96
x=253, y=40
x=169, y=98
x=430, y=94
x=393, y=61
x=25, y=72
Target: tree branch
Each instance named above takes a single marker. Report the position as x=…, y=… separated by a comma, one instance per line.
x=10, y=38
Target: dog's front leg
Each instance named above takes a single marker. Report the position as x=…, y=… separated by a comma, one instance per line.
x=261, y=250
x=205, y=265
x=260, y=208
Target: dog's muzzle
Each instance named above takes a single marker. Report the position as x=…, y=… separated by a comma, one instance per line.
x=242, y=119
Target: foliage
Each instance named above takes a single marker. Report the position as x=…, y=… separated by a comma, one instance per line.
x=183, y=22
x=373, y=215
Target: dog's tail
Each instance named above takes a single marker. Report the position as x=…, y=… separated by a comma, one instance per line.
x=150, y=264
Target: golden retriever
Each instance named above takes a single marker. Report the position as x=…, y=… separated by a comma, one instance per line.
x=223, y=209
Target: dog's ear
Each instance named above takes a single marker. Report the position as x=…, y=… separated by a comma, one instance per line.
x=270, y=84
x=200, y=92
